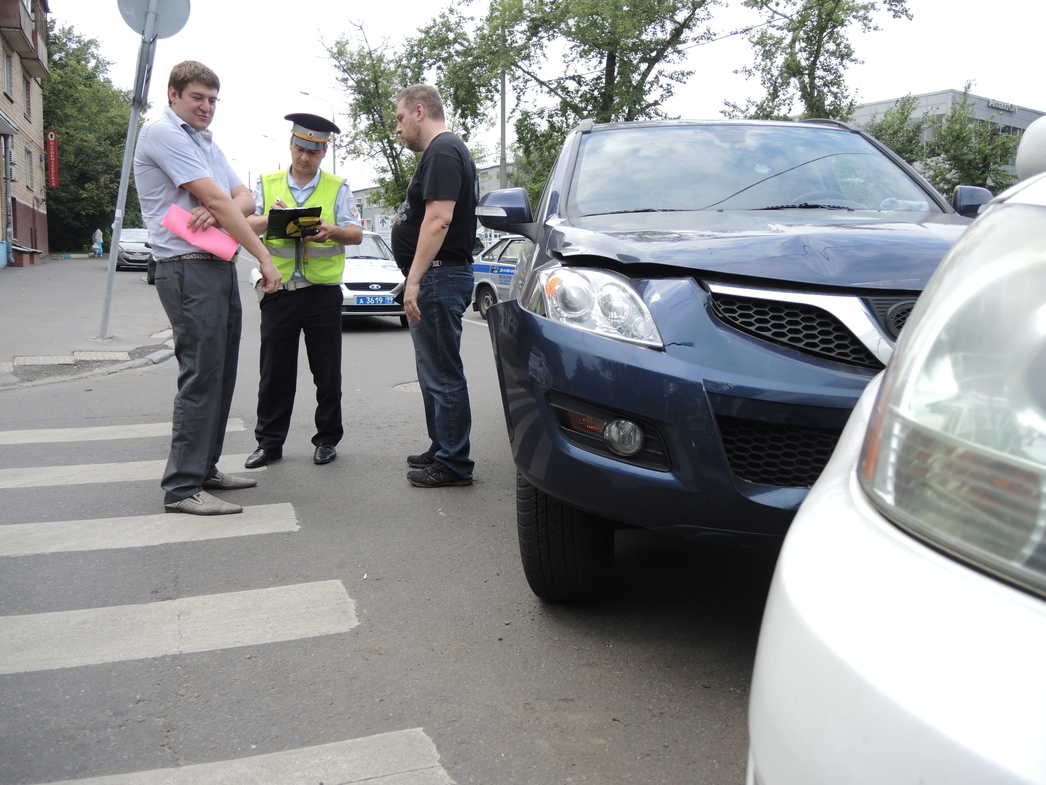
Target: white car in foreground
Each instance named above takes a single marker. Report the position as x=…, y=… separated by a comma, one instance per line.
x=904, y=638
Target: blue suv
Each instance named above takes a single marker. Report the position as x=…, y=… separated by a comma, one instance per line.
x=699, y=308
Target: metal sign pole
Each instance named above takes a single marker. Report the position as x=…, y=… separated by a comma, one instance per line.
x=141, y=89
x=153, y=20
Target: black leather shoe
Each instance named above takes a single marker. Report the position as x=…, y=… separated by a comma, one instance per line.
x=325, y=453
x=262, y=457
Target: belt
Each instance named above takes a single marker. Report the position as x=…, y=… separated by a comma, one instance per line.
x=195, y=255
x=443, y=263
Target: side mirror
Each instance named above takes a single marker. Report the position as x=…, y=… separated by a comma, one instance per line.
x=967, y=200
x=507, y=210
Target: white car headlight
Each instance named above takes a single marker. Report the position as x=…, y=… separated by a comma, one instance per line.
x=956, y=449
x=598, y=301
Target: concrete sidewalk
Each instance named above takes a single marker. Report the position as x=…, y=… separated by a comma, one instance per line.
x=51, y=318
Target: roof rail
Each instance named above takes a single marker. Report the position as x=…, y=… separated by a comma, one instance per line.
x=830, y=121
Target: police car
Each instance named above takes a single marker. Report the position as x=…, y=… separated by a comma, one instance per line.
x=493, y=269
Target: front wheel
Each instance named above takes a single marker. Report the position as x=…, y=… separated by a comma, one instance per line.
x=568, y=554
x=485, y=298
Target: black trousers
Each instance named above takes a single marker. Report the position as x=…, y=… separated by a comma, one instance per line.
x=285, y=316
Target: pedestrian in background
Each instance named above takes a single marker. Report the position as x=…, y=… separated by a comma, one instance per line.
x=96, y=242
x=177, y=162
x=312, y=306
x=432, y=238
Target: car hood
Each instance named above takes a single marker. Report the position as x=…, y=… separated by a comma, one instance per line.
x=362, y=269
x=133, y=247
x=836, y=248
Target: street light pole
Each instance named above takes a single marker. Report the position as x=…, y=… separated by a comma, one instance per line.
x=334, y=119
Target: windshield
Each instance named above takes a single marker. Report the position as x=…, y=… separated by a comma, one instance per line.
x=134, y=236
x=372, y=247
x=737, y=167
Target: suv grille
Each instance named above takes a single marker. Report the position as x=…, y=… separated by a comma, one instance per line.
x=784, y=456
x=804, y=327
x=375, y=286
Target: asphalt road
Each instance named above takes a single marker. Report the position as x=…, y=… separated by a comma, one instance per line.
x=348, y=627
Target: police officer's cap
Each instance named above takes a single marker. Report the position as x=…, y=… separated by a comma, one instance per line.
x=311, y=131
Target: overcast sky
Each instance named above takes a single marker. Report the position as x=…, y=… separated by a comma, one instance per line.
x=945, y=45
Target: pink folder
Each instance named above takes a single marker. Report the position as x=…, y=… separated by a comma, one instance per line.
x=212, y=239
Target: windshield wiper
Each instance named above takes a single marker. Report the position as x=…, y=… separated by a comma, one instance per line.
x=807, y=206
x=642, y=210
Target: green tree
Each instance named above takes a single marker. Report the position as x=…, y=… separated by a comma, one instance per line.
x=968, y=151
x=90, y=115
x=901, y=131
x=612, y=62
x=802, y=53
x=371, y=77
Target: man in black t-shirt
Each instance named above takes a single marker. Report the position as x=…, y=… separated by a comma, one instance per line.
x=432, y=237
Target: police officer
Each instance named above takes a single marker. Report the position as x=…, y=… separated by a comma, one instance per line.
x=311, y=306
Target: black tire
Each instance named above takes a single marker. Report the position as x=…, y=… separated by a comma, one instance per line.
x=150, y=273
x=568, y=554
x=404, y=322
x=485, y=298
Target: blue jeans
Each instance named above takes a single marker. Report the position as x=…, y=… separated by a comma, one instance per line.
x=202, y=301
x=445, y=294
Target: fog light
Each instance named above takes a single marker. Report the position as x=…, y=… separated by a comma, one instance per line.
x=623, y=437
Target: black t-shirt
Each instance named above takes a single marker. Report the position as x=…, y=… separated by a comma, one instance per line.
x=446, y=171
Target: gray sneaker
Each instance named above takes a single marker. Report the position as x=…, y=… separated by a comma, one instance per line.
x=202, y=503
x=227, y=482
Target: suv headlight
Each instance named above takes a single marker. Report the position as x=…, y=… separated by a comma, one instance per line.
x=956, y=449
x=594, y=300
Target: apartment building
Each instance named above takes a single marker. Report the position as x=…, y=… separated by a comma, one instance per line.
x=23, y=172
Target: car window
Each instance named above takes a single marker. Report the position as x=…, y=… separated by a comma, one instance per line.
x=511, y=254
x=372, y=247
x=134, y=235
x=492, y=253
x=736, y=167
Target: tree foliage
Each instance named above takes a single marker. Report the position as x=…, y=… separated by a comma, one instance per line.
x=901, y=131
x=968, y=151
x=802, y=53
x=564, y=61
x=371, y=77
x=956, y=149
x=90, y=115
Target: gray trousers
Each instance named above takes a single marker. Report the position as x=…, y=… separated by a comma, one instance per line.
x=202, y=301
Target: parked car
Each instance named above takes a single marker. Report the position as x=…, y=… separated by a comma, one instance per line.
x=134, y=252
x=905, y=632
x=493, y=268
x=370, y=276
x=703, y=306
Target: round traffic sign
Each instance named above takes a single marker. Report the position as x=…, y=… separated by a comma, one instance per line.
x=171, y=15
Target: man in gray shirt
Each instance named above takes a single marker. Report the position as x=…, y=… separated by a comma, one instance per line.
x=176, y=162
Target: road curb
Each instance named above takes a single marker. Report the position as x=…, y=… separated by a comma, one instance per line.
x=155, y=358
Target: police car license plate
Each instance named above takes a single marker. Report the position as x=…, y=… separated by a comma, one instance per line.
x=375, y=299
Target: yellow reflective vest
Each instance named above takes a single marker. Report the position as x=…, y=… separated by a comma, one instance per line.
x=324, y=262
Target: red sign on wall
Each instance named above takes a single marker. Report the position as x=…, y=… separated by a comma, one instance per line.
x=52, y=159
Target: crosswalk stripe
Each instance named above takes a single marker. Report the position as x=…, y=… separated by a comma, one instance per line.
x=23, y=539
x=85, y=474
x=98, y=433
x=65, y=639
x=407, y=757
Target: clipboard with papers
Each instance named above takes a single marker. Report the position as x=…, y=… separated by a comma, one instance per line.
x=291, y=223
